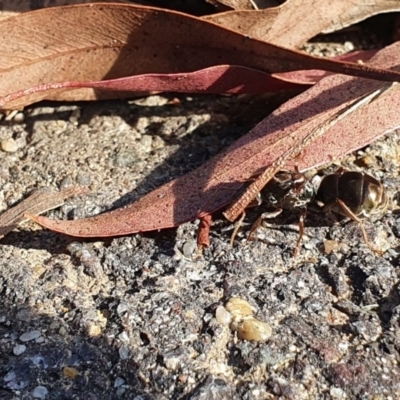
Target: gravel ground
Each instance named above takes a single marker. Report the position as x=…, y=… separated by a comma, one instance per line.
x=140, y=317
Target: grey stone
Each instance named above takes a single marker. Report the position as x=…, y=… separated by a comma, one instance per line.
x=40, y=392
x=28, y=336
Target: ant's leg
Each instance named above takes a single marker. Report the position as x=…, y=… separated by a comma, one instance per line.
x=266, y=215
x=351, y=215
x=301, y=232
x=237, y=227
x=256, y=202
x=238, y=224
x=203, y=239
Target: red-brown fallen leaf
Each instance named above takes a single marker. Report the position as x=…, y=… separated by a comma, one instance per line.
x=92, y=42
x=295, y=21
x=215, y=184
x=10, y=8
x=228, y=79
x=313, y=76
x=221, y=79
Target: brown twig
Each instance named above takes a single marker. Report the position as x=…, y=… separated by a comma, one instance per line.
x=37, y=203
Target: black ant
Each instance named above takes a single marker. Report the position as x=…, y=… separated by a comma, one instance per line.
x=350, y=193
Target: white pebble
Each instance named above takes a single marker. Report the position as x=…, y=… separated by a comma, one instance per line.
x=338, y=393
x=19, y=118
x=222, y=316
x=19, y=349
x=123, y=352
x=40, y=392
x=349, y=46
x=189, y=247
x=123, y=337
x=9, y=145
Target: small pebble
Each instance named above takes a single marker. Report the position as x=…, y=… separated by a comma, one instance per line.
x=75, y=116
x=70, y=372
x=75, y=249
x=123, y=337
x=27, y=336
x=150, y=101
x=125, y=159
x=54, y=325
x=119, y=382
x=123, y=352
x=331, y=246
x=243, y=322
x=349, y=46
x=93, y=330
x=252, y=329
x=222, y=316
x=62, y=331
x=9, y=145
x=239, y=308
x=19, y=118
x=146, y=142
x=189, y=247
x=66, y=183
x=337, y=393
x=40, y=392
x=122, y=307
x=173, y=359
x=19, y=349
